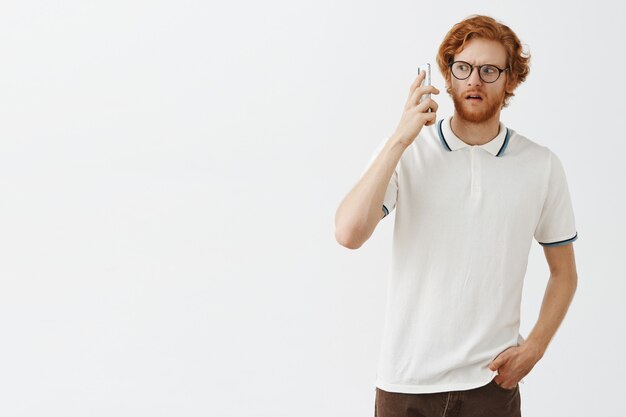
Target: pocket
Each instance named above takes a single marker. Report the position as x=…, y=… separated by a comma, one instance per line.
x=493, y=382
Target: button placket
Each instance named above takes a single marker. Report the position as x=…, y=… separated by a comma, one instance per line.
x=476, y=170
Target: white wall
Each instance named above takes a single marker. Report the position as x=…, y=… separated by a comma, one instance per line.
x=169, y=175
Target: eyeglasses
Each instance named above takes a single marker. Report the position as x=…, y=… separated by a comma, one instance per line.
x=488, y=73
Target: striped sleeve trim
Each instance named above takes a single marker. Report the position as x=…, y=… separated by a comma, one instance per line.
x=385, y=210
x=560, y=242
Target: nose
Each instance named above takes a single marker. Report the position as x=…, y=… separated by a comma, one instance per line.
x=474, y=78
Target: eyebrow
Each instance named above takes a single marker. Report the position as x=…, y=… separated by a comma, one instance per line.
x=465, y=60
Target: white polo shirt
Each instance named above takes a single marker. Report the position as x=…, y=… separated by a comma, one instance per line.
x=465, y=219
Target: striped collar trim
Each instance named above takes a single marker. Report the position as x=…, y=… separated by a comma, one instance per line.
x=451, y=142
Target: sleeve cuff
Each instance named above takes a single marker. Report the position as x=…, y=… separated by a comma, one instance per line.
x=560, y=242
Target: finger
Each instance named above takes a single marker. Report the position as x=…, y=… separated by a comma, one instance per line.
x=434, y=106
x=432, y=118
x=417, y=82
x=419, y=92
x=426, y=104
x=505, y=385
x=500, y=380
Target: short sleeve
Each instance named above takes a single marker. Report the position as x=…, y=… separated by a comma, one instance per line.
x=391, y=194
x=556, y=225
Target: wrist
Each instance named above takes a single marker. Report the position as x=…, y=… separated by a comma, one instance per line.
x=399, y=141
x=537, y=348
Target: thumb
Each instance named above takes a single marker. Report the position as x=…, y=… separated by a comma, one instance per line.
x=496, y=363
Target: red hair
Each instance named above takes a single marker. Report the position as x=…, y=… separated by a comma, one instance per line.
x=479, y=26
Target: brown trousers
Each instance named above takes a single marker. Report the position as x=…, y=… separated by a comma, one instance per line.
x=490, y=400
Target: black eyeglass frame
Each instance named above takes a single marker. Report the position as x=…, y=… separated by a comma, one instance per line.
x=500, y=71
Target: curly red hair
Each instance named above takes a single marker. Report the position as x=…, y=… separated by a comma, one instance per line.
x=479, y=26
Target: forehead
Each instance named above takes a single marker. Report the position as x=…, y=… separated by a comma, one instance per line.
x=483, y=51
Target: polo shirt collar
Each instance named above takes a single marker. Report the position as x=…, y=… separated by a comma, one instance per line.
x=451, y=142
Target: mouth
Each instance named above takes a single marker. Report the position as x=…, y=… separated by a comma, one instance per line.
x=473, y=97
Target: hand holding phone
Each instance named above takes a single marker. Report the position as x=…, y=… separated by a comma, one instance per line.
x=420, y=110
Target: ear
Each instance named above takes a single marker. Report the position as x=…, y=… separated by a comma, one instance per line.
x=509, y=87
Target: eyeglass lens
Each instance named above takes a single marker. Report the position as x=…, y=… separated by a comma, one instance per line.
x=488, y=73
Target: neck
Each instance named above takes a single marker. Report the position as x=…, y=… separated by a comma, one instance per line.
x=475, y=133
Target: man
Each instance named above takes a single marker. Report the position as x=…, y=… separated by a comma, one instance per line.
x=470, y=195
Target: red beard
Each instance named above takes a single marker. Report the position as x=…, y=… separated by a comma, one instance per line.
x=478, y=112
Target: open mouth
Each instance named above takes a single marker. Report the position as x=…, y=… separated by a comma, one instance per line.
x=473, y=98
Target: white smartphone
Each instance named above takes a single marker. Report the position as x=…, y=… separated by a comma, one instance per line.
x=425, y=67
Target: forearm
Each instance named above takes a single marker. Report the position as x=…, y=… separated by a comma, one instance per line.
x=556, y=301
x=361, y=209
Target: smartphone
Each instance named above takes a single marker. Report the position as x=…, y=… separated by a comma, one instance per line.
x=425, y=67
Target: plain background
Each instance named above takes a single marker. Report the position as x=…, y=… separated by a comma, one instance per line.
x=169, y=176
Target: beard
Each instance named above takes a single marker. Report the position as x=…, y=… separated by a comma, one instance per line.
x=476, y=112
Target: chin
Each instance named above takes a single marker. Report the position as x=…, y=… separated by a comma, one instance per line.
x=467, y=112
